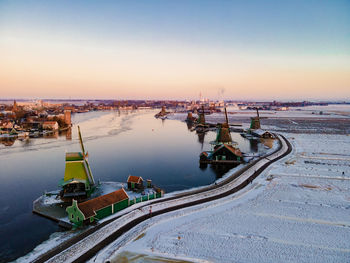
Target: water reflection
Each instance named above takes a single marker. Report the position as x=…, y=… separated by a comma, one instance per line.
x=254, y=145
x=201, y=137
x=267, y=142
x=220, y=170
x=67, y=133
x=51, y=135
x=8, y=142
x=190, y=125
x=26, y=140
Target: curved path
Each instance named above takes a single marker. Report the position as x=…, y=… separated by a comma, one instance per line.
x=86, y=245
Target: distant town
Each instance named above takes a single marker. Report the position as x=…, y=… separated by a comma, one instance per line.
x=26, y=118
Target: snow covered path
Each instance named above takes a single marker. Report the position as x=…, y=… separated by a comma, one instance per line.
x=90, y=245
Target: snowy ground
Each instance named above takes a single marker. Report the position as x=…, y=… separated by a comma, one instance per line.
x=335, y=119
x=297, y=211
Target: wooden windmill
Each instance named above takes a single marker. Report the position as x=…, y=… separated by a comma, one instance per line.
x=255, y=121
x=223, y=131
x=78, y=182
x=201, y=116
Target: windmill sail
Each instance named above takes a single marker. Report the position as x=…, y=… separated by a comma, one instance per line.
x=85, y=156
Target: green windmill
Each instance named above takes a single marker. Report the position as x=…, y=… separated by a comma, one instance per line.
x=255, y=121
x=78, y=182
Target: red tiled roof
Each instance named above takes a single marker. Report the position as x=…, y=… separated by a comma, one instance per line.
x=90, y=207
x=134, y=179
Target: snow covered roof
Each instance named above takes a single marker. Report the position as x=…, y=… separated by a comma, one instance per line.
x=260, y=132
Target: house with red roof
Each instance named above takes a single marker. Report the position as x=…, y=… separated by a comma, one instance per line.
x=135, y=182
x=97, y=208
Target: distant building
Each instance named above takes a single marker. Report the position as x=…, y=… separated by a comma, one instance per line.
x=6, y=125
x=50, y=125
x=15, y=107
x=262, y=134
x=67, y=117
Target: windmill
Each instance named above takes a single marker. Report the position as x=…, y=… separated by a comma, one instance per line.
x=78, y=182
x=201, y=116
x=255, y=121
x=230, y=124
x=224, y=150
x=223, y=131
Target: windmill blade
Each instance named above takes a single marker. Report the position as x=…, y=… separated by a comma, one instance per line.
x=91, y=178
x=226, y=116
x=81, y=142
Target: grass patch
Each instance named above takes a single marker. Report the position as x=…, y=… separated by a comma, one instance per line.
x=140, y=236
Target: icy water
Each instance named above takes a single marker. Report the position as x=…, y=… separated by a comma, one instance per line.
x=119, y=144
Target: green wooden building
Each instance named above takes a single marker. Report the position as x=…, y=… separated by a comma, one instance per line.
x=97, y=208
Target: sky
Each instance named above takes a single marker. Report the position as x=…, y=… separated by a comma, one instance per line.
x=242, y=50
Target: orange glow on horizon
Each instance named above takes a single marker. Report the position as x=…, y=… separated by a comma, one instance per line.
x=54, y=69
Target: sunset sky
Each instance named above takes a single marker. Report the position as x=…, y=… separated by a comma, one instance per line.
x=286, y=50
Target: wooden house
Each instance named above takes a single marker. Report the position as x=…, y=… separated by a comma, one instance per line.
x=262, y=134
x=135, y=182
x=227, y=152
x=97, y=208
x=222, y=154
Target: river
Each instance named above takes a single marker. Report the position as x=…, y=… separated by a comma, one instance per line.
x=119, y=144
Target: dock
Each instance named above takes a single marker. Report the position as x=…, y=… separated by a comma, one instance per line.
x=50, y=207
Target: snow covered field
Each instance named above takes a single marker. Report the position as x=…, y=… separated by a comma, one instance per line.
x=298, y=210
x=335, y=119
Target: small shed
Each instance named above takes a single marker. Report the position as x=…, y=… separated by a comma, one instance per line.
x=97, y=208
x=135, y=182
